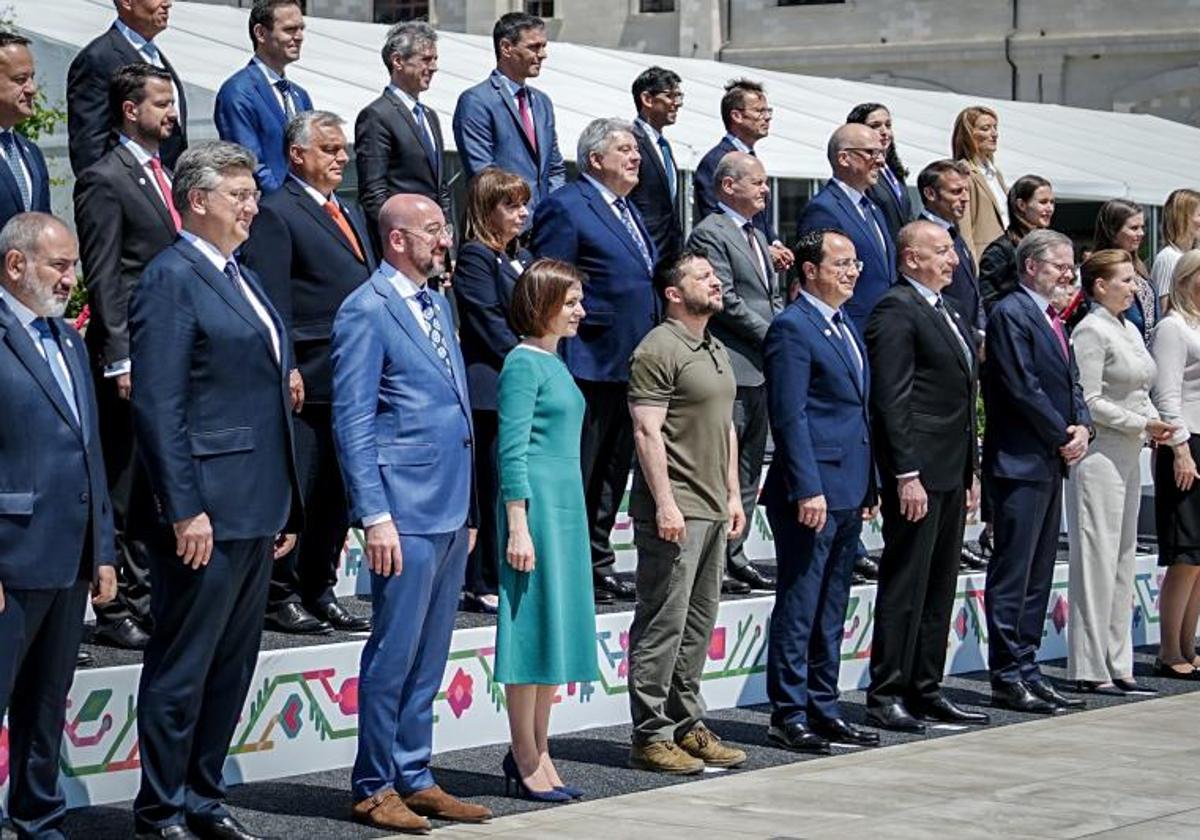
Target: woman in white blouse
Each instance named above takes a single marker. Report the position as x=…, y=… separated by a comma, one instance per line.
x=1176, y=394
x=976, y=134
x=1104, y=491
x=1181, y=232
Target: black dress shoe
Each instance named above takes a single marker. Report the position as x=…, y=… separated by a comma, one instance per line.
x=1047, y=692
x=1163, y=669
x=1128, y=685
x=1017, y=697
x=972, y=561
x=222, y=828
x=752, y=577
x=126, y=633
x=943, y=711
x=602, y=596
x=895, y=717
x=798, y=738
x=293, y=618
x=857, y=580
x=83, y=659
x=171, y=832
x=619, y=588
x=839, y=731
x=730, y=586
x=867, y=567
x=340, y=618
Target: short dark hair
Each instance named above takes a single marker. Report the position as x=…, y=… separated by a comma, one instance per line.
x=263, y=12
x=8, y=38
x=859, y=114
x=736, y=93
x=654, y=80
x=539, y=294
x=932, y=174
x=510, y=27
x=810, y=248
x=128, y=84
x=671, y=273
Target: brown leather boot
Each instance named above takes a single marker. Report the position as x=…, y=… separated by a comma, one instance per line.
x=387, y=810
x=435, y=803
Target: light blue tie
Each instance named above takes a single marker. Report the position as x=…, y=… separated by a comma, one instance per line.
x=627, y=219
x=12, y=157
x=151, y=54
x=424, y=136
x=54, y=359
x=436, y=337
x=668, y=163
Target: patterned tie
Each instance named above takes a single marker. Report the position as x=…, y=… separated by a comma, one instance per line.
x=12, y=157
x=892, y=181
x=160, y=178
x=842, y=333
x=285, y=90
x=334, y=211
x=627, y=219
x=962, y=342
x=436, y=337
x=668, y=163
x=1056, y=324
x=864, y=205
x=423, y=135
x=54, y=358
x=235, y=277
x=526, y=116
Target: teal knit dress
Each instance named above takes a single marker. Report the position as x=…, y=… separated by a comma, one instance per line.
x=547, y=622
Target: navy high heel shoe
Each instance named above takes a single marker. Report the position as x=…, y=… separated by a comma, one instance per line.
x=571, y=791
x=512, y=776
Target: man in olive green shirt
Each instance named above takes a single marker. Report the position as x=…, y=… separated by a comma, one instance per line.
x=685, y=502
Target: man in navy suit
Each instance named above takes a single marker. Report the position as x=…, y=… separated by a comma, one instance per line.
x=592, y=224
x=211, y=407
x=129, y=40
x=945, y=191
x=819, y=488
x=55, y=519
x=1037, y=427
x=504, y=122
x=255, y=103
x=856, y=154
x=24, y=180
x=310, y=249
x=402, y=427
x=657, y=97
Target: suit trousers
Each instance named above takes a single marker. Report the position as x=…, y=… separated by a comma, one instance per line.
x=804, y=649
x=403, y=663
x=918, y=579
x=197, y=671
x=750, y=425
x=1026, y=516
x=482, y=570
x=308, y=573
x=606, y=456
x=40, y=631
x=678, y=595
x=1103, y=497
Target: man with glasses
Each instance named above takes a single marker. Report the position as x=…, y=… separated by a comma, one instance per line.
x=402, y=429
x=856, y=155
x=1037, y=427
x=657, y=97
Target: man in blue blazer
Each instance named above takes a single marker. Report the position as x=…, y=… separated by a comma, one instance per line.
x=856, y=154
x=402, y=427
x=819, y=488
x=254, y=104
x=24, y=180
x=1037, y=426
x=504, y=122
x=212, y=417
x=592, y=224
x=56, y=530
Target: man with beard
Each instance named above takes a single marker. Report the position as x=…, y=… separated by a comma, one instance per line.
x=685, y=503
x=24, y=180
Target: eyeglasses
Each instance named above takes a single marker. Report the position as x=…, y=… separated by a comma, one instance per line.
x=843, y=267
x=671, y=95
x=433, y=231
x=761, y=112
x=239, y=197
x=872, y=154
x=1061, y=268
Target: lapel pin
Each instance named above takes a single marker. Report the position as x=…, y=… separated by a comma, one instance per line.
x=142, y=181
x=828, y=333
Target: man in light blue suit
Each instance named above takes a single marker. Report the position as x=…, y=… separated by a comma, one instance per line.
x=402, y=428
x=503, y=122
x=856, y=155
x=255, y=103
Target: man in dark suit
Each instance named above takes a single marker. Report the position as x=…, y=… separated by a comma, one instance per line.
x=397, y=139
x=55, y=520
x=125, y=217
x=591, y=224
x=309, y=250
x=924, y=371
x=130, y=40
x=855, y=154
x=1037, y=426
x=24, y=180
x=207, y=414
x=819, y=488
x=945, y=191
x=657, y=96
x=254, y=104
x=504, y=122
x=754, y=294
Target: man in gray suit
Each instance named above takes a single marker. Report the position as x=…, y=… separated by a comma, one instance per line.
x=754, y=294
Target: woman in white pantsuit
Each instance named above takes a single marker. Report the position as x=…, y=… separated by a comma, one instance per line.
x=1115, y=372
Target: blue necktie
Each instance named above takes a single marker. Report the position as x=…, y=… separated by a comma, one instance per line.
x=839, y=326
x=12, y=157
x=54, y=359
x=423, y=135
x=627, y=219
x=285, y=90
x=668, y=163
x=150, y=52
x=436, y=337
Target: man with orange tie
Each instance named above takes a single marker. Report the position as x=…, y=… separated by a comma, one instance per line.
x=310, y=249
x=125, y=217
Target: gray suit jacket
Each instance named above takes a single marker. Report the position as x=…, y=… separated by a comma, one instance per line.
x=750, y=302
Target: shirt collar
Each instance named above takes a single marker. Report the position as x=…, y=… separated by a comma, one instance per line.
x=738, y=144
x=132, y=37
x=407, y=101
x=685, y=335
x=509, y=84
x=1042, y=303
x=855, y=195
x=136, y=149
x=313, y=192
x=609, y=196
x=733, y=214
x=827, y=311
x=25, y=316
x=651, y=132
x=210, y=251
x=406, y=288
x=931, y=297
x=272, y=76
x=936, y=219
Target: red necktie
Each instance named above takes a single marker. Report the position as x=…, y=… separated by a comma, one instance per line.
x=165, y=189
x=1056, y=324
x=335, y=212
x=526, y=116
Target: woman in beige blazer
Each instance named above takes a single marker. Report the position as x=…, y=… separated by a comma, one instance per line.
x=976, y=131
x=1104, y=489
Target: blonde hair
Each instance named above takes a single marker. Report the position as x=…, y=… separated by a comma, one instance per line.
x=962, y=141
x=1181, y=298
x=1181, y=206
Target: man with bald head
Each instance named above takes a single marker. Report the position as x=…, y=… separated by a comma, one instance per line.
x=923, y=377
x=402, y=430
x=856, y=155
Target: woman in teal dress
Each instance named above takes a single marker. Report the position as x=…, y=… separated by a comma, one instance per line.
x=547, y=624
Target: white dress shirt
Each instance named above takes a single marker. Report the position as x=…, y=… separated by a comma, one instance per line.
x=856, y=199
x=741, y=221
x=272, y=77
x=1176, y=392
x=652, y=133
x=1164, y=269
x=827, y=312
x=993, y=181
x=147, y=50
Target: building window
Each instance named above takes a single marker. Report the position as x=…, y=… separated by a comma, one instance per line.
x=648, y=6
x=394, y=11
x=540, y=8
x=809, y=2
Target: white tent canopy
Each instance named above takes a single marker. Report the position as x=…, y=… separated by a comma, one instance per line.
x=1088, y=155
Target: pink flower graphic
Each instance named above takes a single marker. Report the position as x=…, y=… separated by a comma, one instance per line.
x=623, y=665
x=1059, y=613
x=716, y=644
x=460, y=693
x=347, y=698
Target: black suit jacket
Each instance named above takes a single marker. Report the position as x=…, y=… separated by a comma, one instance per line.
x=652, y=197
x=964, y=287
x=39, y=178
x=90, y=130
x=922, y=390
x=307, y=267
x=123, y=223
x=897, y=212
x=483, y=284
